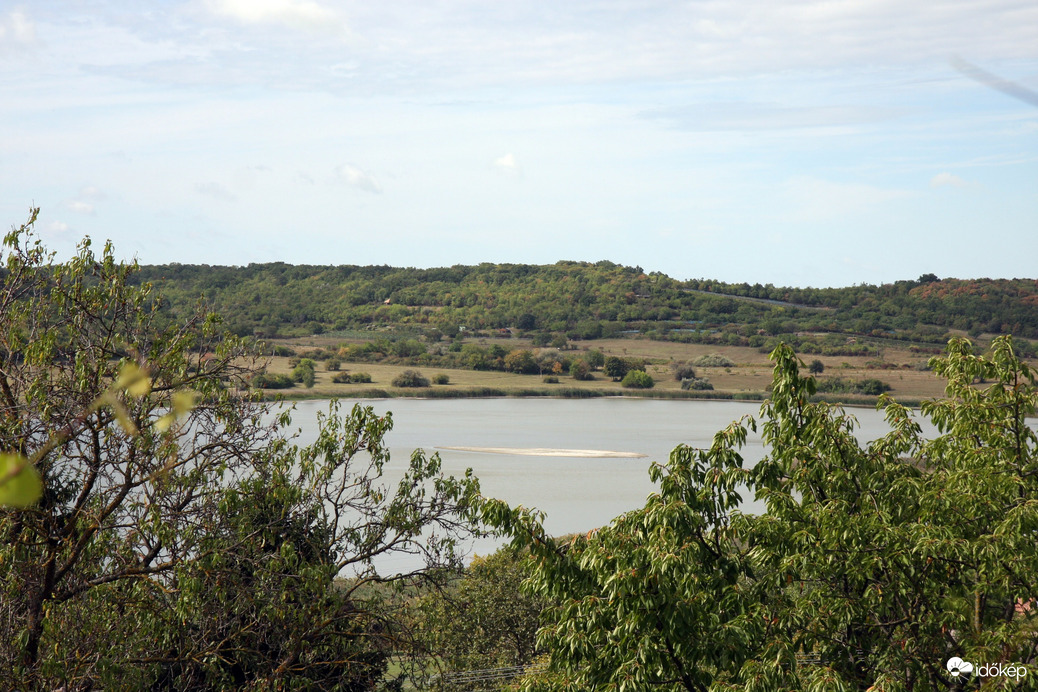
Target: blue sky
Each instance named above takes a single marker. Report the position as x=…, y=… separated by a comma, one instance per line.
x=799, y=143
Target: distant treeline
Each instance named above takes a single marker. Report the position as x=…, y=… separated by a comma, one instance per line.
x=588, y=301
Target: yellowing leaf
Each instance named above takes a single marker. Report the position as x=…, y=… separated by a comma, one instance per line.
x=133, y=380
x=163, y=423
x=20, y=484
x=123, y=417
x=183, y=402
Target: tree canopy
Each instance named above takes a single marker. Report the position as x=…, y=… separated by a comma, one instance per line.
x=176, y=536
x=873, y=565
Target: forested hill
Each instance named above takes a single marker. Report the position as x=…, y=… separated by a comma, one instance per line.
x=584, y=300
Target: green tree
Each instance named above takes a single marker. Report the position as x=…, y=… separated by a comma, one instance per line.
x=521, y=361
x=305, y=372
x=483, y=620
x=410, y=378
x=637, y=379
x=580, y=370
x=200, y=552
x=870, y=568
x=683, y=371
x=616, y=367
x=817, y=367
x=595, y=358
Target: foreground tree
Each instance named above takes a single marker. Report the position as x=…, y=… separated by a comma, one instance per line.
x=481, y=621
x=872, y=567
x=201, y=551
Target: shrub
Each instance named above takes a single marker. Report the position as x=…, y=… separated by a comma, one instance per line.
x=714, y=360
x=441, y=379
x=550, y=379
x=360, y=378
x=595, y=358
x=410, y=378
x=333, y=364
x=305, y=372
x=637, y=379
x=341, y=378
x=873, y=387
x=580, y=370
x=265, y=381
x=520, y=361
x=696, y=384
x=617, y=367
x=683, y=371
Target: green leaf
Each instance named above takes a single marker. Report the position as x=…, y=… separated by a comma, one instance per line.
x=20, y=484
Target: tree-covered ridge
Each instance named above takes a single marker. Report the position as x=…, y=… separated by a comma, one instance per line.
x=587, y=301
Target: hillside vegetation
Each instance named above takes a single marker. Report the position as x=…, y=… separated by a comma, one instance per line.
x=593, y=301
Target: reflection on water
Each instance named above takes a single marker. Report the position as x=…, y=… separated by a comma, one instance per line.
x=577, y=494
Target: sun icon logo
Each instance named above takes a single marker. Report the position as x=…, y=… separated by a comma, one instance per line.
x=956, y=666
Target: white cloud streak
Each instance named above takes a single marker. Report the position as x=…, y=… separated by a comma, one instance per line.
x=215, y=191
x=17, y=32
x=817, y=200
x=355, y=177
x=296, y=14
x=507, y=161
x=80, y=207
x=947, y=180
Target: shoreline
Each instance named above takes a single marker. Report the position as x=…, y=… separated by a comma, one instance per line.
x=551, y=452
x=429, y=393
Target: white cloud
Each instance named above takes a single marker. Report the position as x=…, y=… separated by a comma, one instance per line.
x=80, y=207
x=297, y=14
x=59, y=229
x=947, y=179
x=824, y=200
x=355, y=177
x=216, y=191
x=766, y=116
x=17, y=32
x=91, y=192
x=507, y=162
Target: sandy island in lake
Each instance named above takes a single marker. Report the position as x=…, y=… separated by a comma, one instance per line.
x=548, y=452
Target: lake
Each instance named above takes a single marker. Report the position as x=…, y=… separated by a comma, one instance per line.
x=576, y=493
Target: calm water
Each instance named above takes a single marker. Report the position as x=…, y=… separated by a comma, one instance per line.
x=577, y=494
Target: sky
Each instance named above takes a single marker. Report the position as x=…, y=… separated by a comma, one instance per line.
x=799, y=143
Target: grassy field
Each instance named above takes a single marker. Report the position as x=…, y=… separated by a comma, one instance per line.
x=750, y=375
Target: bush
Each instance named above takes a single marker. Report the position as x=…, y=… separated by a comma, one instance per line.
x=714, y=360
x=683, y=371
x=550, y=379
x=696, y=384
x=637, y=379
x=840, y=385
x=520, y=361
x=305, y=372
x=617, y=367
x=265, y=381
x=410, y=378
x=360, y=378
x=595, y=358
x=333, y=364
x=873, y=387
x=580, y=370
x=441, y=379
x=341, y=378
